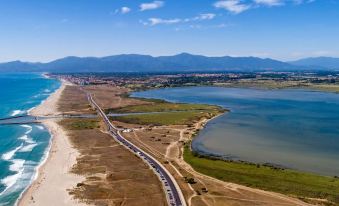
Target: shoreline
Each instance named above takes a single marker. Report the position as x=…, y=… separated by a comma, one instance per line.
x=188, y=167
x=33, y=111
x=292, y=197
x=209, y=154
x=52, y=177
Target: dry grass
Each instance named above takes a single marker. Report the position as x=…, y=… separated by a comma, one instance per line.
x=109, y=97
x=114, y=176
x=74, y=101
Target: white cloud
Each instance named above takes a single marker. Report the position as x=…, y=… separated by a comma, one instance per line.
x=239, y=6
x=125, y=10
x=151, y=5
x=233, y=6
x=157, y=21
x=271, y=2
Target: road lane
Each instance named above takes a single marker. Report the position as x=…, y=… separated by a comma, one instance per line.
x=173, y=192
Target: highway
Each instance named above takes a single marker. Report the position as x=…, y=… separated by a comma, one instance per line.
x=172, y=190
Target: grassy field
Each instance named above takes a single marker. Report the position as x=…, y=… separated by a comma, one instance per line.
x=80, y=124
x=73, y=101
x=163, y=107
x=171, y=113
x=302, y=185
x=166, y=118
x=111, y=174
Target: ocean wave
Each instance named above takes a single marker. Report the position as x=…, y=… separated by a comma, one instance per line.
x=17, y=165
x=9, y=181
x=9, y=155
x=25, y=126
x=25, y=171
x=47, y=90
x=41, y=95
x=28, y=148
x=40, y=127
x=33, y=171
x=27, y=139
x=28, y=127
x=28, y=111
x=29, y=131
x=17, y=112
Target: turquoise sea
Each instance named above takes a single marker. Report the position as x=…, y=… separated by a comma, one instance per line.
x=22, y=147
x=294, y=128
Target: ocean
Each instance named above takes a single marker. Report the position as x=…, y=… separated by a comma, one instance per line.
x=22, y=147
x=294, y=128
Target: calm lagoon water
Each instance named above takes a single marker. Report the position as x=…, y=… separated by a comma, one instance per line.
x=298, y=129
x=22, y=147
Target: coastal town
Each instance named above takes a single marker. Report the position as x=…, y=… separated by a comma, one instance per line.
x=139, y=81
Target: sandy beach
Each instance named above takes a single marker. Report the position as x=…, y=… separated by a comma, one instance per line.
x=53, y=179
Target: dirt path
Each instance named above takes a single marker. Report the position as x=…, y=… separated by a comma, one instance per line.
x=230, y=192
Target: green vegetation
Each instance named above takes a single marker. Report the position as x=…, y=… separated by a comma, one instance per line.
x=166, y=118
x=79, y=124
x=294, y=183
x=170, y=113
x=160, y=106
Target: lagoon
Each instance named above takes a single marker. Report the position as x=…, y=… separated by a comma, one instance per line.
x=294, y=128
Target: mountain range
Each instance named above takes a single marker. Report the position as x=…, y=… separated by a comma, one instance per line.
x=181, y=62
x=324, y=62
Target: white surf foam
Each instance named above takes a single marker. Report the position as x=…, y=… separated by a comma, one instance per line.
x=18, y=167
x=35, y=169
x=9, y=181
x=17, y=112
x=28, y=148
x=24, y=138
x=25, y=126
x=40, y=127
x=29, y=111
x=9, y=155
x=27, y=139
x=29, y=128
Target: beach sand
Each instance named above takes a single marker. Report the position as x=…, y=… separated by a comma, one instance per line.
x=54, y=177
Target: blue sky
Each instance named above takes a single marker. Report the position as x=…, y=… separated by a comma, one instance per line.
x=43, y=30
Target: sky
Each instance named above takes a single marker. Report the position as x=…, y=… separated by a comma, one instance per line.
x=44, y=30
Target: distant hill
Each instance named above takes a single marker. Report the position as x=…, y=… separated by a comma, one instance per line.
x=320, y=62
x=18, y=66
x=146, y=63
